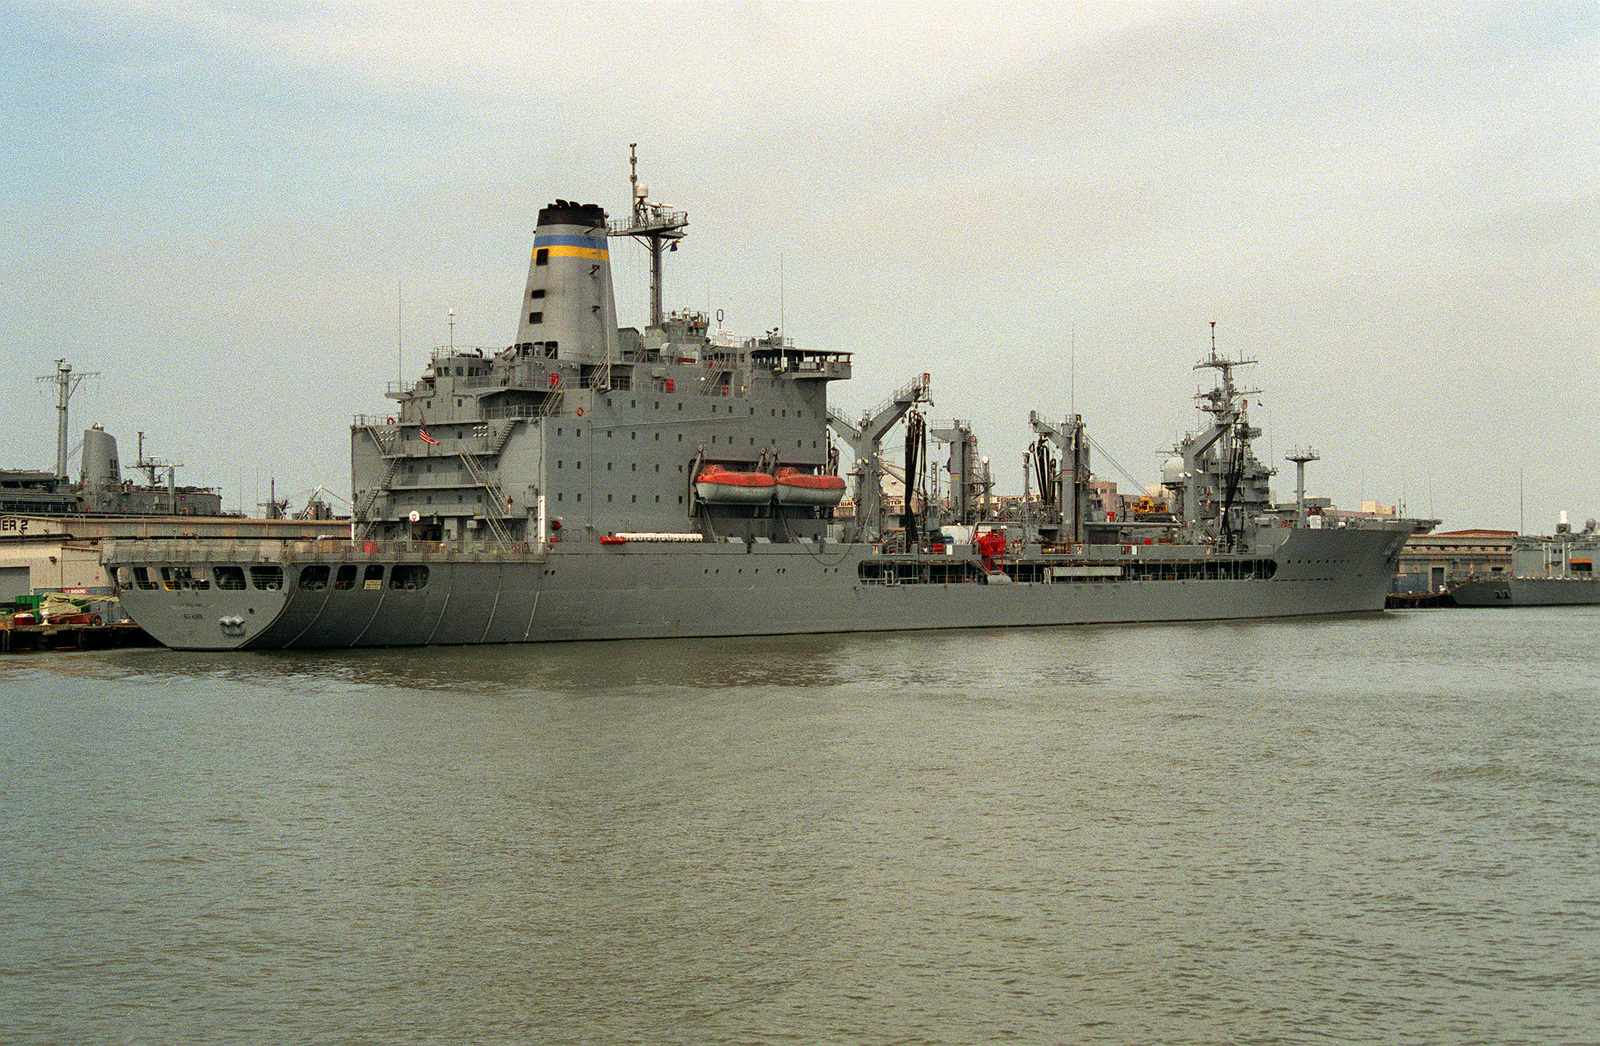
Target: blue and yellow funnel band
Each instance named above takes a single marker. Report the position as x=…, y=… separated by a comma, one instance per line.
x=559, y=246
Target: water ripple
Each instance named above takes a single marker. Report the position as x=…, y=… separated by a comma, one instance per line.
x=1369, y=829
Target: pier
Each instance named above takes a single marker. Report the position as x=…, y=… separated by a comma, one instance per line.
x=20, y=639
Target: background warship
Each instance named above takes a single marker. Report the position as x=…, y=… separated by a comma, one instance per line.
x=1545, y=571
x=591, y=482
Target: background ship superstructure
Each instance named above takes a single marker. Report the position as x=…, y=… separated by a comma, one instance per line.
x=1545, y=571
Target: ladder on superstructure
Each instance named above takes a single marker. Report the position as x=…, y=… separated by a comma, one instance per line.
x=495, y=514
x=385, y=438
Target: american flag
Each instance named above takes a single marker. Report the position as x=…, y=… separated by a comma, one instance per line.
x=427, y=438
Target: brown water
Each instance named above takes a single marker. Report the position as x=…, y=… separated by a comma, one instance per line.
x=1376, y=829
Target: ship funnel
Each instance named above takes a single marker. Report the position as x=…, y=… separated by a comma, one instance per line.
x=101, y=470
x=568, y=310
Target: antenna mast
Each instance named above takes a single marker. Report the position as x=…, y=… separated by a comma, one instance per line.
x=653, y=225
x=66, y=383
x=399, y=333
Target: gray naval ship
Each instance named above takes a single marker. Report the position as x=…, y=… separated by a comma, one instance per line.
x=1545, y=571
x=589, y=482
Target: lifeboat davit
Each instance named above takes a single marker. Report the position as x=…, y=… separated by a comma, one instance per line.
x=803, y=488
x=718, y=486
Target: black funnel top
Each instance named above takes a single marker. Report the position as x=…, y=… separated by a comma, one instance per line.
x=565, y=212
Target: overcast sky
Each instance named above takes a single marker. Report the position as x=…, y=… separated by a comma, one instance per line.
x=1395, y=208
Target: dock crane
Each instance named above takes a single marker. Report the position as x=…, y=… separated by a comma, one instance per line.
x=864, y=439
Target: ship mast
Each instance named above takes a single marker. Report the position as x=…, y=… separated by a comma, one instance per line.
x=652, y=224
x=1214, y=461
x=66, y=383
x=1226, y=402
x=1301, y=455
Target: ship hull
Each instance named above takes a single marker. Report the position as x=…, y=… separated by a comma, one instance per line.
x=635, y=591
x=1528, y=592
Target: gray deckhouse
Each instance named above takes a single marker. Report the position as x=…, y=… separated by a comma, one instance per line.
x=580, y=430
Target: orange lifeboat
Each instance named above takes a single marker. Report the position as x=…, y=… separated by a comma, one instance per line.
x=802, y=488
x=718, y=486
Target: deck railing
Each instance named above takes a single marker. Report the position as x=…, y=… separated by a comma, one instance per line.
x=233, y=550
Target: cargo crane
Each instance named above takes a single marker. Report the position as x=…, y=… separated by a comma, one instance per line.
x=1063, y=475
x=969, y=479
x=864, y=439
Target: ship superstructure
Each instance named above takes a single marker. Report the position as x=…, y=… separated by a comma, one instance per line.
x=589, y=428
x=1219, y=484
x=591, y=482
x=103, y=489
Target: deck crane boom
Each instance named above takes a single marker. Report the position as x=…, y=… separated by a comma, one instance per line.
x=864, y=439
